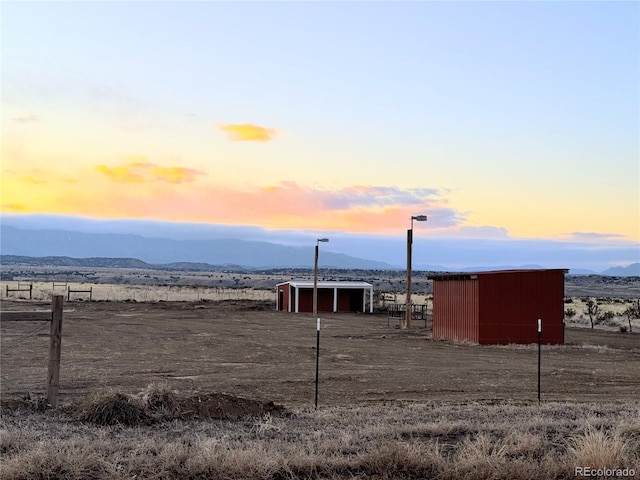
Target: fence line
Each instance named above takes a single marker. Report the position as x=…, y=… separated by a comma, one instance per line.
x=76, y=291
x=20, y=288
x=70, y=291
x=55, y=335
x=398, y=311
x=59, y=284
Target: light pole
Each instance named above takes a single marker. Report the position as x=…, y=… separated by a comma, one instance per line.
x=315, y=314
x=418, y=218
x=315, y=277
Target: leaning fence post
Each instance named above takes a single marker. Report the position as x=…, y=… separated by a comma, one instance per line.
x=53, y=377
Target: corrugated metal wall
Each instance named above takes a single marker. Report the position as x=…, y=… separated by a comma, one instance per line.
x=500, y=307
x=325, y=300
x=455, y=310
x=511, y=303
x=350, y=300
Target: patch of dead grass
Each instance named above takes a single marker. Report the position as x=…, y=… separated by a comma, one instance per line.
x=392, y=441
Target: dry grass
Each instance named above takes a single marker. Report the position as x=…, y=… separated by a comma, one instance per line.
x=599, y=449
x=113, y=408
x=102, y=292
x=388, y=441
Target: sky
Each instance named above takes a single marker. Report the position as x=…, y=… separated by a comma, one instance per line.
x=514, y=125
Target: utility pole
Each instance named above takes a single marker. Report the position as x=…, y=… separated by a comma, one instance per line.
x=407, y=318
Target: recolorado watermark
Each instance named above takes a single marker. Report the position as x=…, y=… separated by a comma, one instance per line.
x=604, y=472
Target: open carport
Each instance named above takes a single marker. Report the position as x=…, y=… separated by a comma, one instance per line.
x=297, y=296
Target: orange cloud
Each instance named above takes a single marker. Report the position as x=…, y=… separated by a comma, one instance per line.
x=123, y=173
x=146, y=190
x=246, y=132
x=33, y=180
x=290, y=205
x=139, y=172
x=175, y=174
x=13, y=207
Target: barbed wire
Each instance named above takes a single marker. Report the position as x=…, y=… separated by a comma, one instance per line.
x=23, y=337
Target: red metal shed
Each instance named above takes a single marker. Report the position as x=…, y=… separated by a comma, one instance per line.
x=499, y=307
x=297, y=296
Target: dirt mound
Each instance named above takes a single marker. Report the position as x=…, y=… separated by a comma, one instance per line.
x=222, y=406
x=158, y=404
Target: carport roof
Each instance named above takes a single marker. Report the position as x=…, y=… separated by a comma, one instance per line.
x=326, y=284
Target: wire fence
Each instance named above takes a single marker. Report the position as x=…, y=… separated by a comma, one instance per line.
x=42, y=291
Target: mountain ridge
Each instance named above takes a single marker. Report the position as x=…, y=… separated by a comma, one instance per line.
x=259, y=254
x=120, y=262
x=137, y=251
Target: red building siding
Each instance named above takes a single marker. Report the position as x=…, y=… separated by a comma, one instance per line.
x=455, y=314
x=332, y=296
x=511, y=305
x=282, y=300
x=349, y=300
x=325, y=300
x=499, y=307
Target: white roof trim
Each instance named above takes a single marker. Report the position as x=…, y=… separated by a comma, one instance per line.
x=326, y=284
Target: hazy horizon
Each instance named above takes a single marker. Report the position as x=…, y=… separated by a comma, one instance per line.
x=427, y=251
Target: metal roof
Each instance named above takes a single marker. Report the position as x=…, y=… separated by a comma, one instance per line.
x=474, y=275
x=326, y=284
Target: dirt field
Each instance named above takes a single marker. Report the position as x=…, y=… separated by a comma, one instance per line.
x=247, y=349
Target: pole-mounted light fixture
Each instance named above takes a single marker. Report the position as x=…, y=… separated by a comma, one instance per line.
x=315, y=277
x=315, y=314
x=417, y=218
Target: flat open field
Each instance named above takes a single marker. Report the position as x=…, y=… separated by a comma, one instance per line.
x=247, y=349
x=393, y=404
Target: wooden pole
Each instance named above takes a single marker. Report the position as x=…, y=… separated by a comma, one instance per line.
x=317, y=361
x=407, y=320
x=53, y=376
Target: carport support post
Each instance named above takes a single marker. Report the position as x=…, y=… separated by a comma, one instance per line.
x=539, y=352
x=317, y=360
x=53, y=376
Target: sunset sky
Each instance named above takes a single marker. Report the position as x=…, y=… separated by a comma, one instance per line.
x=505, y=121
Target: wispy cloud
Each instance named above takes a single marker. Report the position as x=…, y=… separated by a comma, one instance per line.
x=28, y=118
x=129, y=173
x=478, y=231
x=141, y=172
x=141, y=189
x=33, y=180
x=368, y=195
x=14, y=207
x=247, y=132
x=593, y=236
x=290, y=205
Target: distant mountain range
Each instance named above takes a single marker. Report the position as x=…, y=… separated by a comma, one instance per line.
x=72, y=248
x=632, y=270
x=78, y=245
